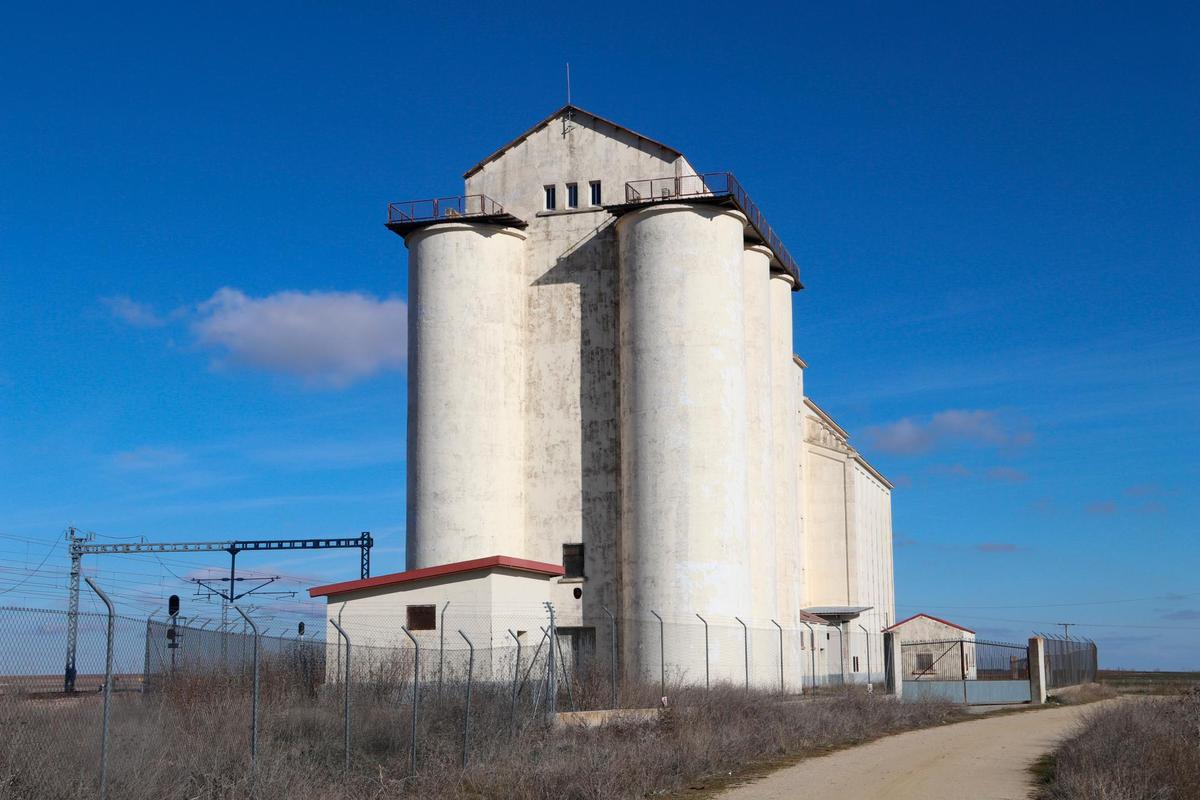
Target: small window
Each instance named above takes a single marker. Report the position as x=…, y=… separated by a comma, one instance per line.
x=855, y=659
x=594, y=187
x=551, y=197
x=422, y=618
x=572, y=195
x=924, y=661
x=573, y=560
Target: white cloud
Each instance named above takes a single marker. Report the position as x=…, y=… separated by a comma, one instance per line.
x=324, y=338
x=131, y=312
x=979, y=427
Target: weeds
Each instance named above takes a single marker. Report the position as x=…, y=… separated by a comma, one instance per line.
x=190, y=742
x=1144, y=749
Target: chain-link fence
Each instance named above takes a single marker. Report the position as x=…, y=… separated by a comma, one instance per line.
x=187, y=698
x=1069, y=661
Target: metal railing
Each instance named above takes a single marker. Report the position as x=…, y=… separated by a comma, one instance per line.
x=714, y=185
x=466, y=205
x=964, y=660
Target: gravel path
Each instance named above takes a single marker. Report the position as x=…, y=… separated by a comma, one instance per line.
x=984, y=759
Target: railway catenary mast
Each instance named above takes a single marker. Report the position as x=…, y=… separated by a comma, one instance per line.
x=78, y=546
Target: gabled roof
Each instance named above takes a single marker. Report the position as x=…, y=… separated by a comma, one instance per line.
x=576, y=110
x=930, y=617
x=442, y=570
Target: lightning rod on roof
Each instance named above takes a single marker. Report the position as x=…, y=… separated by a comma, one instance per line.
x=570, y=115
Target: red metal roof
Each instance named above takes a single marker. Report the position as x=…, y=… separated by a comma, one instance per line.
x=474, y=565
x=927, y=616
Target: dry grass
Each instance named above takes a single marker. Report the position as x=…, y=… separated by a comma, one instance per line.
x=190, y=743
x=1143, y=749
x=1148, y=681
x=1083, y=693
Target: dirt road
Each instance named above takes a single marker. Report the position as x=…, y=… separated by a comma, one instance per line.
x=985, y=759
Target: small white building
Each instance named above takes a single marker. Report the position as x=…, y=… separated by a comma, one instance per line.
x=497, y=602
x=602, y=376
x=935, y=649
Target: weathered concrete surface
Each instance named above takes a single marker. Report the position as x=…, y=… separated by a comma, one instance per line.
x=761, y=452
x=987, y=759
x=466, y=387
x=683, y=417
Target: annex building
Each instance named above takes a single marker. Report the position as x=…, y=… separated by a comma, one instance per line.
x=606, y=412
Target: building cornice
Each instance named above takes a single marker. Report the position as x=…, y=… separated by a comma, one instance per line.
x=824, y=432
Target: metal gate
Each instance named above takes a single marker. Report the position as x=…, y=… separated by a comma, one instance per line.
x=966, y=671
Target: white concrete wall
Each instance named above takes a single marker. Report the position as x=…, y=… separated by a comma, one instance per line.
x=572, y=452
x=848, y=540
x=763, y=459
x=683, y=413
x=466, y=431
x=483, y=605
x=591, y=150
x=786, y=405
x=949, y=661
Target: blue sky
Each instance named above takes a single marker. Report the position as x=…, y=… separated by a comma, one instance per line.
x=995, y=211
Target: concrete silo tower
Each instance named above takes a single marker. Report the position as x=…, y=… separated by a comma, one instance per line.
x=683, y=411
x=602, y=388
x=466, y=443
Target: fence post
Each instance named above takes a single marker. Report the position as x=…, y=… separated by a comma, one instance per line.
x=467, y=710
x=551, y=668
x=892, y=662
x=412, y=748
x=662, y=656
x=841, y=653
x=512, y=719
x=441, y=625
x=345, y=692
x=812, y=648
x=1037, y=670
x=707, y=684
x=108, y=670
x=867, y=633
x=745, y=650
x=253, y=691
x=962, y=668
x=612, y=654
x=780, y=627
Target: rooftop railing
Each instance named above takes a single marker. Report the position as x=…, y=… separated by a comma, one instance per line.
x=467, y=205
x=712, y=185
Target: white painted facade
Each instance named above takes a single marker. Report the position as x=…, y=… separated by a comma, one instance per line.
x=623, y=377
x=934, y=639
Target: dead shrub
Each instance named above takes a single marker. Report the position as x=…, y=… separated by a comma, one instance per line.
x=190, y=742
x=1144, y=749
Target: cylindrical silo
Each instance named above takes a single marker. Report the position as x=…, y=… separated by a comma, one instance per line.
x=683, y=426
x=760, y=451
x=466, y=377
x=786, y=421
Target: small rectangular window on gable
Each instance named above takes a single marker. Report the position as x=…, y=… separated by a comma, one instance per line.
x=594, y=187
x=422, y=618
x=551, y=197
x=572, y=195
x=856, y=663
